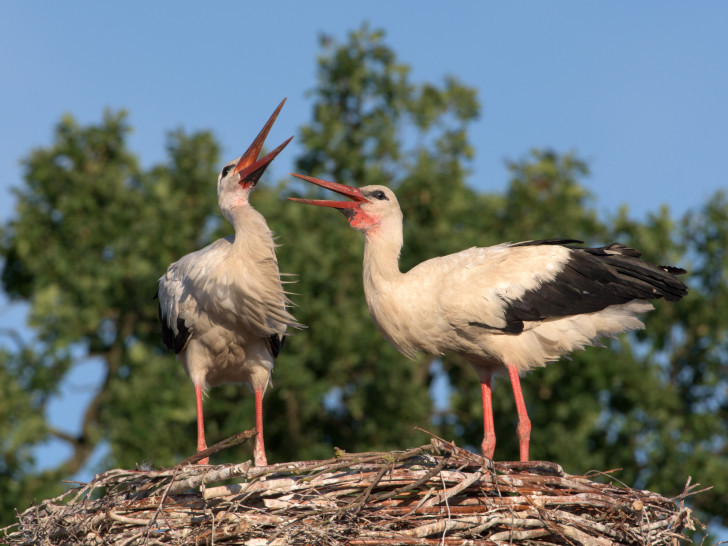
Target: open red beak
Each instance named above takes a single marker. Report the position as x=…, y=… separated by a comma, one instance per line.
x=250, y=167
x=345, y=206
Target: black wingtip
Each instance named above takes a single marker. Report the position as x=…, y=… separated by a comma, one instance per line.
x=552, y=241
x=275, y=344
x=624, y=250
x=673, y=270
x=174, y=342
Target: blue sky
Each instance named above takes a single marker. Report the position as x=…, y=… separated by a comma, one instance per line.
x=639, y=89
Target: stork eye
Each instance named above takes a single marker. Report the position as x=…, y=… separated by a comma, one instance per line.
x=379, y=194
x=226, y=169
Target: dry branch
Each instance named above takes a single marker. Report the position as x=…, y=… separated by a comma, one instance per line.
x=434, y=494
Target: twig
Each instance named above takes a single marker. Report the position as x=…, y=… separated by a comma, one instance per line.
x=413, y=485
x=445, y=495
x=232, y=441
x=356, y=505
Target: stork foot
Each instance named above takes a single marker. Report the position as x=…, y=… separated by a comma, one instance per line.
x=524, y=436
x=259, y=458
x=202, y=446
x=488, y=446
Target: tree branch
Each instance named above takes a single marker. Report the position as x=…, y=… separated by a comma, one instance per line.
x=85, y=443
x=65, y=436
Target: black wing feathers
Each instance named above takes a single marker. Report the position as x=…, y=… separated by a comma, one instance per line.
x=174, y=342
x=275, y=344
x=591, y=280
x=540, y=242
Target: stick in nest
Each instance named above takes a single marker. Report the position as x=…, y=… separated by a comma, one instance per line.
x=237, y=439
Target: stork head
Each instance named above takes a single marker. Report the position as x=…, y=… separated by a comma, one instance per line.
x=370, y=206
x=239, y=176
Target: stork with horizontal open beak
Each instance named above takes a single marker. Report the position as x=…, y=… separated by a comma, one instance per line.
x=223, y=308
x=514, y=305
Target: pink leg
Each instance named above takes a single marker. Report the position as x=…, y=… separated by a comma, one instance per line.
x=259, y=447
x=524, y=423
x=201, y=445
x=488, y=445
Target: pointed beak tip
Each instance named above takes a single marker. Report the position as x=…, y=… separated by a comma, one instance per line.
x=251, y=154
x=300, y=176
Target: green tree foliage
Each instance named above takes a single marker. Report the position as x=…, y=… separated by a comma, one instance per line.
x=85, y=249
x=93, y=232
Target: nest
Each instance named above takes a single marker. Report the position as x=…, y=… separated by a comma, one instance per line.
x=434, y=494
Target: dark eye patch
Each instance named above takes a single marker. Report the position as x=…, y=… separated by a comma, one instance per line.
x=226, y=169
x=379, y=194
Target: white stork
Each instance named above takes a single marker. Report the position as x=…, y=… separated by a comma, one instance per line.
x=223, y=308
x=516, y=306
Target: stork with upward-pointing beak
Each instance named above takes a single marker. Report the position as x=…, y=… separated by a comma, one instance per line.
x=513, y=306
x=223, y=308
